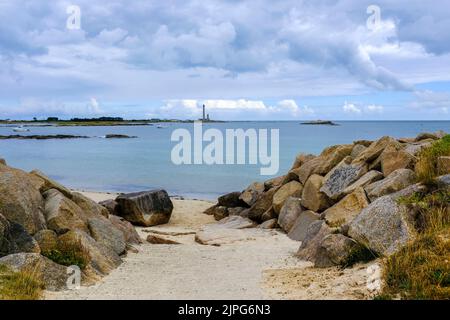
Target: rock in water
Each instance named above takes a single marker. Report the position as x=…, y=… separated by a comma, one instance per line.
x=20, y=200
x=148, y=208
x=53, y=275
x=384, y=226
x=300, y=227
x=289, y=213
x=397, y=180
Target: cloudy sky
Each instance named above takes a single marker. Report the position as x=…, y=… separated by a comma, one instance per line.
x=327, y=59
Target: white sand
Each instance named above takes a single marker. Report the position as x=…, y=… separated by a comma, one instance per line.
x=261, y=268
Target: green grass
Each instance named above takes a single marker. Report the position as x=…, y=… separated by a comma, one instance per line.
x=426, y=166
x=69, y=254
x=22, y=285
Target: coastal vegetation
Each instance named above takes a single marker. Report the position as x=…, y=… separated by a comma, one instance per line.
x=20, y=285
x=69, y=254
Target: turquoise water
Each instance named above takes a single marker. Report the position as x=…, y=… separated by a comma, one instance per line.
x=144, y=163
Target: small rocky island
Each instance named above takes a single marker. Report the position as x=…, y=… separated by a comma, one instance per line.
x=320, y=122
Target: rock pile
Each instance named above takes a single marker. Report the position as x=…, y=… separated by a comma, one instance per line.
x=341, y=202
x=39, y=215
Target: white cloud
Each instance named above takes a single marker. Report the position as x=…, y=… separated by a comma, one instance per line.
x=351, y=108
x=374, y=108
x=434, y=100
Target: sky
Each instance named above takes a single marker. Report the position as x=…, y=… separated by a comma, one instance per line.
x=245, y=60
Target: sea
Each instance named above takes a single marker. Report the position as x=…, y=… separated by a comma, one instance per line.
x=145, y=162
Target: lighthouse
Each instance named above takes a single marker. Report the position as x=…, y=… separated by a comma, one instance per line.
x=204, y=113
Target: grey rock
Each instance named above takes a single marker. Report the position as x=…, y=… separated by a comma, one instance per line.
x=106, y=233
x=396, y=181
x=299, y=229
x=289, y=213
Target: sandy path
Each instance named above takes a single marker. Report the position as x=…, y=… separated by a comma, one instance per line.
x=254, y=269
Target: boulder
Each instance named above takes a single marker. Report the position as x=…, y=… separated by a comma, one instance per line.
x=111, y=205
x=415, y=148
x=14, y=239
x=370, y=177
x=53, y=275
x=269, y=224
x=106, y=233
x=342, y=176
x=20, y=199
x=62, y=214
x=3, y=162
x=397, y=180
x=365, y=143
x=394, y=157
x=335, y=249
x=129, y=232
x=307, y=169
x=274, y=182
x=235, y=222
x=374, y=150
x=158, y=239
x=357, y=150
x=444, y=180
x=289, y=213
x=345, y=210
x=329, y=161
x=310, y=246
x=268, y=215
x=443, y=165
x=148, y=208
x=384, y=226
x=220, y=212
x=51, y=184
x=300, y=227
x=425, y=136
x=261, y=205
x=231, y=200
x=102, y=258
x=47, y=240
x=300, y=159
x=293, y=188
x=237, y=211
x=90, y=207
x=252, y=193
x=312, y=198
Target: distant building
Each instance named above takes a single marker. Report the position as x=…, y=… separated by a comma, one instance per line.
x=204, y=111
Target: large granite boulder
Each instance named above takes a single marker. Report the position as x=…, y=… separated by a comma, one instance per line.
x=342, y=176
x=62, y=214
x=220, y=212
x=299, y=229
x=289, y=213
x=274, y=182
x=252, y=193
x=374, y=150
x=293, y=188
x=53, y=275
x=14, y=238
x=348, y=208
x=261, y=205
x=300, y=159
x=312, y=198
x=20, y=199
x=129, y=232
x=395, y=157
x=111, y=205
x=102, y=258
x=51, y=184
x=329, y=161
x=384, y=226
x=148, y=208
x=357, y=150
x=106, y=233
x=310, y=246
x=335, y=249
x=369, y=178
x=307, y=169
x=397, y=180
x=231, y=200
x=269, y=224
x=89, y=207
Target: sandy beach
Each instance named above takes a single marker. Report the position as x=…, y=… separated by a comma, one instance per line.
x=262, y=267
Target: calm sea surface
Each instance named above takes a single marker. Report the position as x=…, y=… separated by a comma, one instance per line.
x=145, y=163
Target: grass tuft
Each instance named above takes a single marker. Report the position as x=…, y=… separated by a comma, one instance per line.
x=69, y=254
x=21, y=285
x=426, y=166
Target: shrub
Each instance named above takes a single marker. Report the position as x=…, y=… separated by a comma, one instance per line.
x=426, y=166
x=68, y=254
x=22, y=285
